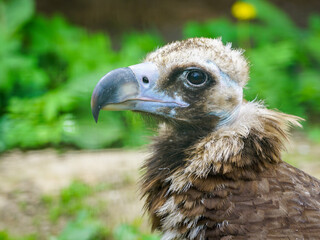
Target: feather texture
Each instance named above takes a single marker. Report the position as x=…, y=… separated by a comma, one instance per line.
x=232, y=183
x=215, y=171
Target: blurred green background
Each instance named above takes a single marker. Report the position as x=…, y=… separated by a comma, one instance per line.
x=49, y=67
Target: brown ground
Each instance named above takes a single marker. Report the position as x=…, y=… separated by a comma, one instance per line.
x=26, y=176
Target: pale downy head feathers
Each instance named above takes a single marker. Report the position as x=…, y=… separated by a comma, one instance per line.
x=200, y=51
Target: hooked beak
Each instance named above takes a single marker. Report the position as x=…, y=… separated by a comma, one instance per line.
x=132, y=88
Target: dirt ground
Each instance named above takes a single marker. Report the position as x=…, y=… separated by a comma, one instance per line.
x=26, y=176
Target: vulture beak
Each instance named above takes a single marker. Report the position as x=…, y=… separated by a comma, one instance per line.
x=132, y=88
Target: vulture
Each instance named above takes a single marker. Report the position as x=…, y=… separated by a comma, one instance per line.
x=215, y=169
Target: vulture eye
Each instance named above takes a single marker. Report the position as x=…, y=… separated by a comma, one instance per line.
x=196, y=77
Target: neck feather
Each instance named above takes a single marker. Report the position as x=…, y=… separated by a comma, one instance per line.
x=240, y=150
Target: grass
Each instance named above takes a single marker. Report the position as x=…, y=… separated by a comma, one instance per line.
x=78, y=208
x=84, y=227
x=70, y=201
x=4, y=235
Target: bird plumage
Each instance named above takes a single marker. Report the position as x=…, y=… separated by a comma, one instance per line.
x=215, y=171
x=231, y=183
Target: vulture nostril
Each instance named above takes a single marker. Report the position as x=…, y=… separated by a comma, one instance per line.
x=145, y=80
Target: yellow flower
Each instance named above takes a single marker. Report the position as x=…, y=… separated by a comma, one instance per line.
x=243, y=11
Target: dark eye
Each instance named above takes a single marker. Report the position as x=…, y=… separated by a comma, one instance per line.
x=196, y=77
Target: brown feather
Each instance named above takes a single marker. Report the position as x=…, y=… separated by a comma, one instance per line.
x=213, y=177
x=241, y=191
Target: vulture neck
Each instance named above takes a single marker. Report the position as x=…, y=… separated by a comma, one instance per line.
x=181, y=162
x=240, y=150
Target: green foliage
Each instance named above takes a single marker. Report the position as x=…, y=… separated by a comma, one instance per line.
x=84, y=227
x=71, y=202
x=132, y=232
x=4, y=235
x=48, y=69
x=84, y=222
x=285, y=59
x=72, y=199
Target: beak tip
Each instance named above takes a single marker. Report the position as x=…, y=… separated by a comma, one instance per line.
x=96, y=119
x=95, y=108
x=95, y=113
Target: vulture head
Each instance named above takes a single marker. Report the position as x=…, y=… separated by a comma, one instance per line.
x=215, y=171
x=197, y=81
